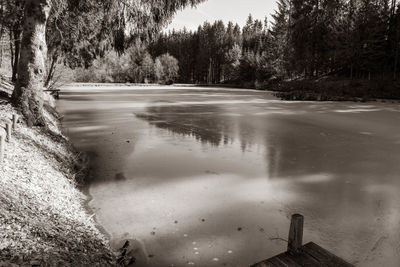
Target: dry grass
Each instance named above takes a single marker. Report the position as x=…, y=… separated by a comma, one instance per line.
x=42, y=216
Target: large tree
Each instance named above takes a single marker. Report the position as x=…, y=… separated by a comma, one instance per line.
x=31, y=67
x=129, y=18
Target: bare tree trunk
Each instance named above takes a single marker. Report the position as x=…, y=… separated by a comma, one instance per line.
x=17, y=46
x=11, y=51
x=31, y=69
x=51, y=70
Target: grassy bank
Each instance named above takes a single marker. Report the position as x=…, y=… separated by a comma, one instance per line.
x=336, y=90
x=327, y=89
x=42, y=217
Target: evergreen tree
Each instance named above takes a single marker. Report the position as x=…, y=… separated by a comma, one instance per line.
x=280, y=37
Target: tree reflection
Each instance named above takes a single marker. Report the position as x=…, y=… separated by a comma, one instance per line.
x=205, y=125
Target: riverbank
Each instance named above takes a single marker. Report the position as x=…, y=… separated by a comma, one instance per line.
x=328, y=89
x=43, y=221
x=336, y=90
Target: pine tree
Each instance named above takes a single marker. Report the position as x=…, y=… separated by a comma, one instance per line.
x=280, y=37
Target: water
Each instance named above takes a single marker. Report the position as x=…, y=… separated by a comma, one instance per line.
x=210, y=177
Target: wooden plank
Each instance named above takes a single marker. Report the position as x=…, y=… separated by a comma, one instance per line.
x=286, y=258
x=324, y=256
x=265, y=263
x=321, y=257
x=323, y=262
x=276, y=262
x=303, y=259
x=273, y=262
x=309, y=255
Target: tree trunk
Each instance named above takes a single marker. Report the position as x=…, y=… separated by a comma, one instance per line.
x=1, y=56
x=28, y=90
x=52, y=69
x=1, y=51
x=11, y=51
x=17, y=46
x=396, y=62
x=1, y=34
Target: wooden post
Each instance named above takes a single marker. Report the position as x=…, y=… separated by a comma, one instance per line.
x=14, y=121
x=2, y=145
x=295, y=239
x=8, y=131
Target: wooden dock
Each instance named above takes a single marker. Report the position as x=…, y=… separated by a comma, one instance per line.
x=298, y=255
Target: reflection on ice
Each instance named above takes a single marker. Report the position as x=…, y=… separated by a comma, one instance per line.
x=315, y=178
x=88, y=128
x=356, y=110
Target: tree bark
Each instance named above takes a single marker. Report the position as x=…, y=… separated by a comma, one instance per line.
x=11, y=51
x=17, y=46
x=28, y=90
x=1, y=32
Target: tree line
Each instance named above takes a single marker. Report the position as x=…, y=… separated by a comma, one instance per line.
x=306, y=39
x=135, y=65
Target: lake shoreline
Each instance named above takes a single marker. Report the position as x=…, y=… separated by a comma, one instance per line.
x=337, y=90
x=328, y=89
x=44, y=217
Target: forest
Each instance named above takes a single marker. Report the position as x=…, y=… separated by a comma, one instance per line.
x=306, y=40
x=312, y=40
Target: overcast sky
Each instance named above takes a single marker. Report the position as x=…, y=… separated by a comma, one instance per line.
x=226, y=10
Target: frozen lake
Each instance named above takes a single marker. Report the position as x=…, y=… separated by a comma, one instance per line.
x=210, y=176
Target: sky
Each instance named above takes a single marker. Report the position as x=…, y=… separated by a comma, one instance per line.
x=236, y=11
